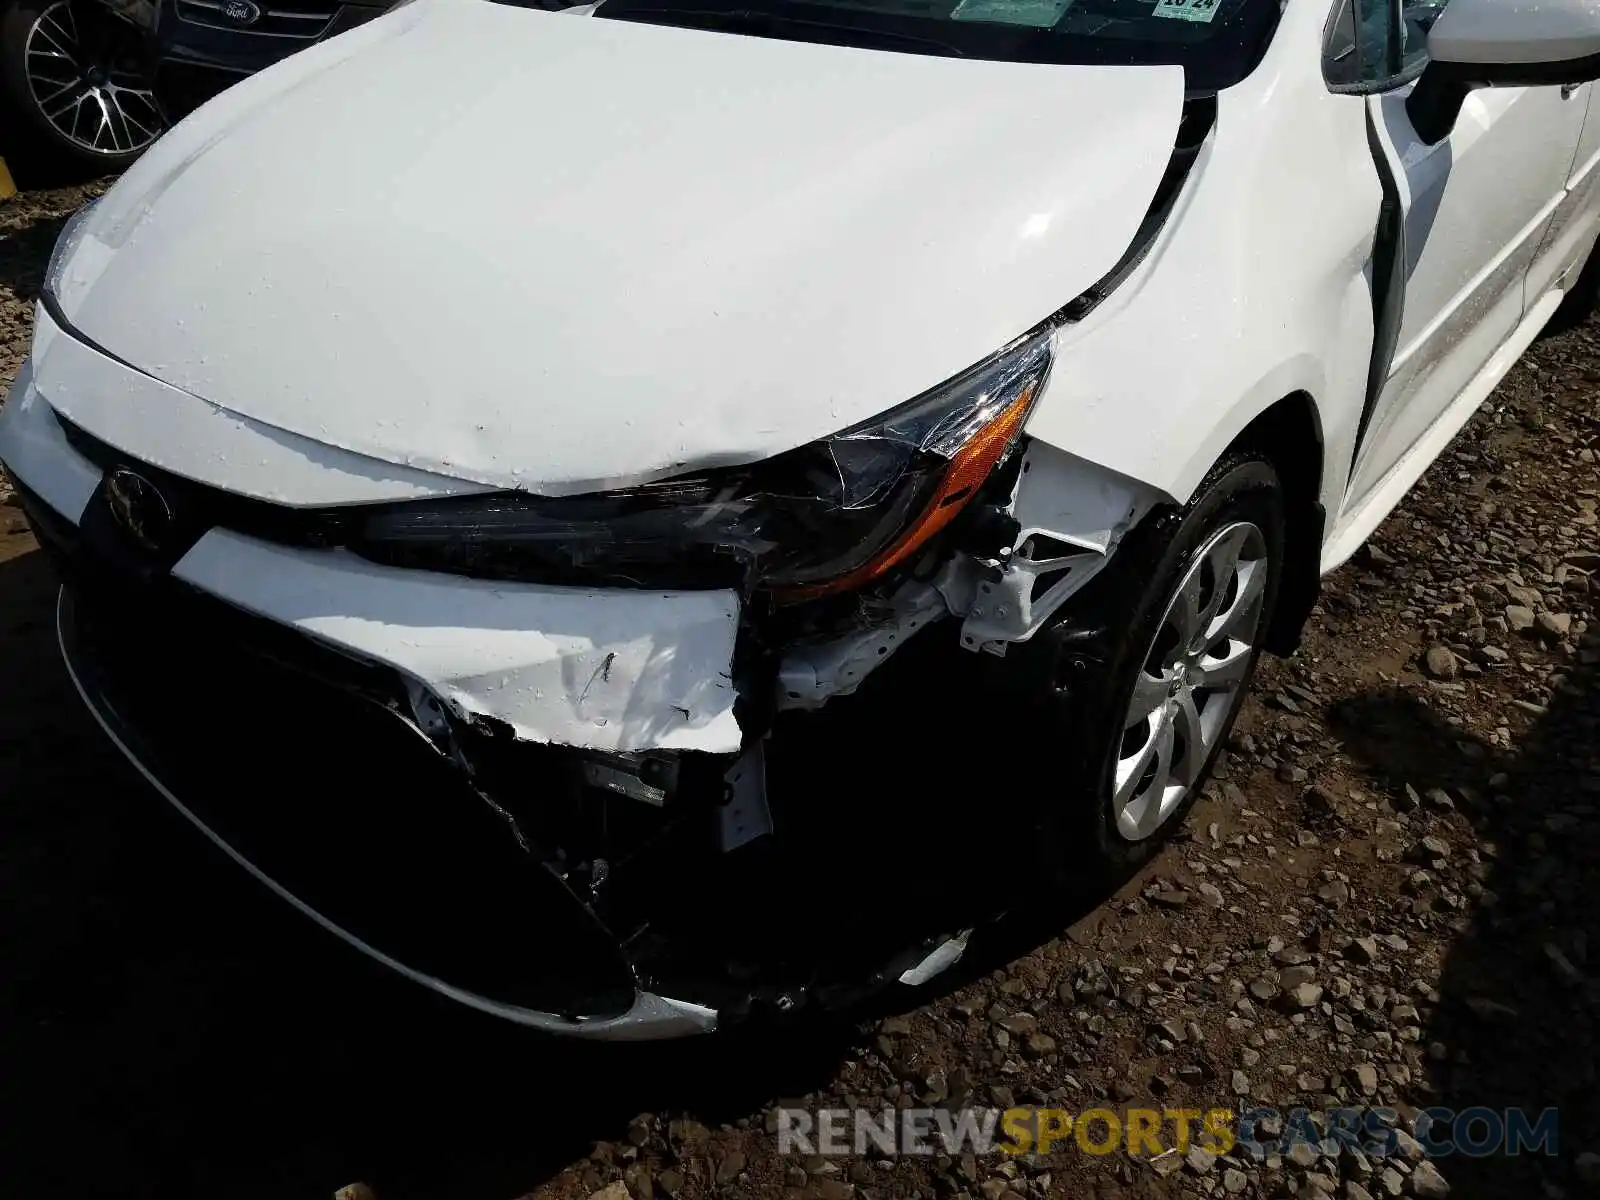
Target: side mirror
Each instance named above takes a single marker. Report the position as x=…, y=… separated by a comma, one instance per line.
x=1502, y=43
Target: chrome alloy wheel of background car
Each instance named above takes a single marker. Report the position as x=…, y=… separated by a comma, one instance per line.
x=86, y=79
x=1191, y=678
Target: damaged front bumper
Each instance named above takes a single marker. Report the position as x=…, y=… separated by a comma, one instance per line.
x=314, y=715
x=301, y=765
x=537, y=801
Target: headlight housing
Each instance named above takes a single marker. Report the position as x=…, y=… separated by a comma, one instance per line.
x=829, y=517
x=71, y=234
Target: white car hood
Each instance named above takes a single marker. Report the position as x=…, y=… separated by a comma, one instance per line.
x=537, y=250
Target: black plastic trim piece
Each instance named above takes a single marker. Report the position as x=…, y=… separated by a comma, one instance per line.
x=1377, y=87
x=1299, y=587
x=1199, y=118
x=1435, y=105
x=67, y=327
x=1388, y=288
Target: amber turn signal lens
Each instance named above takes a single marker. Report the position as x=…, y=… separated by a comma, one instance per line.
x=962, y=479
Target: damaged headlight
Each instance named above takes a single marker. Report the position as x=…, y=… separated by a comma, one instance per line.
x=828, y=517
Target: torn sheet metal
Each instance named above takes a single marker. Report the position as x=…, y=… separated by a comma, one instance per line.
x=598, y=669
x=746, y=816
x=624, y=775
x=815, y=671
x=1071, y=515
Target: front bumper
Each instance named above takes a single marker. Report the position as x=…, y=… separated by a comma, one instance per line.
x=288, y=736
x=284, y=696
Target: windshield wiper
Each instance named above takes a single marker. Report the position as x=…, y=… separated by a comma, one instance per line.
x=750, y=20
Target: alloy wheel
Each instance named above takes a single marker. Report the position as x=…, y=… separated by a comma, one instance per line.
x=86, y=79
x=1191, y=679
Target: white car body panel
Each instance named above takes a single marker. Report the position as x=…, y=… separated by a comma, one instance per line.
x=182, y=433
x=1476, y=208
x=610, y=670
x=726, y=247
x=1500, y=33
x=1237, y=332
x=1571, y=233
x=1356, y=524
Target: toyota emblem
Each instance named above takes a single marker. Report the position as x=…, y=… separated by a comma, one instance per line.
x=139, y=508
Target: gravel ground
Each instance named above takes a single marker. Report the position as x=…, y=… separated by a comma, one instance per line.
x=1387, y=896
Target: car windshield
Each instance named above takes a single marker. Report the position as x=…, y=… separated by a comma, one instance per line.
x=1217, y=42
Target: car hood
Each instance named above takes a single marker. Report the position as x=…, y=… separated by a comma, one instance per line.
x=547, y=251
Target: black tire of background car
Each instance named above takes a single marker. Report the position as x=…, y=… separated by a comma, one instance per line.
x=33, y=148
x=1084, y=666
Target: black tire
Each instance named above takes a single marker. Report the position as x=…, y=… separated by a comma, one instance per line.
x=33, y=145
x=1088, y=661
x=1579, y=302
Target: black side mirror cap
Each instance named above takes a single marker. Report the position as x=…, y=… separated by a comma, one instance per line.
x=1435, y=103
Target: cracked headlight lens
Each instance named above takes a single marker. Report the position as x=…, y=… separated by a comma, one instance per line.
x=831, y=516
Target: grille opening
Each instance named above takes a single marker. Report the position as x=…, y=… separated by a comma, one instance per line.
x=307, y=19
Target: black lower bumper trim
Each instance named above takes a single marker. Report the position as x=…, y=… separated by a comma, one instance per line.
x=385, y=843
x=647, y=1018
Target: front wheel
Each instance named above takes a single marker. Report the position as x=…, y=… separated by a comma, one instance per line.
x=1150, y=665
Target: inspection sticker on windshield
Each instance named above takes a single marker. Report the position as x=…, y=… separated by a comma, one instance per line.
x=1041, y=14
x=1187, y=10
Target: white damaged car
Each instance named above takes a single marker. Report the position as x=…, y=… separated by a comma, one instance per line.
x=475, y=444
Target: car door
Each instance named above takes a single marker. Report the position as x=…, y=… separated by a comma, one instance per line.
x=1571, y=233
x=1475, y=209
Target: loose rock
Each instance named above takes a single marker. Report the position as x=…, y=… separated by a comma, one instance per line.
x=1441, y=663
x=1553, y=626
x=1306, y=995
x=1427, y=1183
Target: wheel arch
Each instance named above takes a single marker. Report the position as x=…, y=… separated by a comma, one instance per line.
x=1288, y=434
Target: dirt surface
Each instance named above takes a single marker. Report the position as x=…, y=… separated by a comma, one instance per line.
x=1388, y=896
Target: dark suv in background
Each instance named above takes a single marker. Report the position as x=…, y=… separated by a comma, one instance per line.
x=88, y=84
